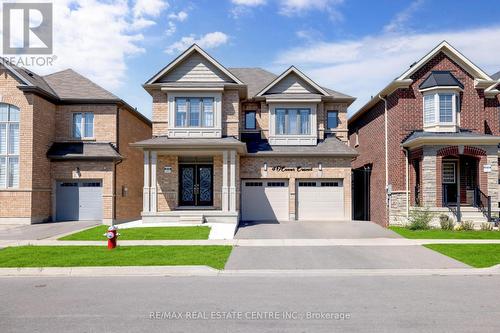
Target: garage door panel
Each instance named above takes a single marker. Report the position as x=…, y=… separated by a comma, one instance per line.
x=79, y=200
x=264, y=200
x=320, y=200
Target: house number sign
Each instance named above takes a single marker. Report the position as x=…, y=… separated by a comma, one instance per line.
x=281, y=168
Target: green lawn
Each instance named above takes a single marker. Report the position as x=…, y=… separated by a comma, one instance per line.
x=146, y=233
x=476, y=255
x=445, y=234
x=74, y=256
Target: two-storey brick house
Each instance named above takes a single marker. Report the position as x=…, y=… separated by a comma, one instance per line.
x=429, y=139
x=243, y=143
x=64, y=150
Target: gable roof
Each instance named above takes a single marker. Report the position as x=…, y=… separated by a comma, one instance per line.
x=185, y=55
x=482, y=80
x=289, y=71
x=69, y=84
x=441, y=79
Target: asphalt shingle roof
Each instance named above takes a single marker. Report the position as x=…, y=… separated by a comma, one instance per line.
x=82, y=151
x=496, y=76
x=463, y=133
x=166, y=141
x=441, y=79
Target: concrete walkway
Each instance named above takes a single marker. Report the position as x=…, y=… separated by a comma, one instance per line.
x=258, y=242
x=43, y=230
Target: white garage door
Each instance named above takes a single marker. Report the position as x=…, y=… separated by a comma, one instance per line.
x=79, y=200
x=264, y=200
x=320, y=199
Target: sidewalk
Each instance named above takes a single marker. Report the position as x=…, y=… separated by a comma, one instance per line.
x=259, y=242
x=168, y=271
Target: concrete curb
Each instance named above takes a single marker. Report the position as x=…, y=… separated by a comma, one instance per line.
x=181, y=271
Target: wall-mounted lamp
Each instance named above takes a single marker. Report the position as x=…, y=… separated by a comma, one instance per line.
x=320, y=166
x=265, y=166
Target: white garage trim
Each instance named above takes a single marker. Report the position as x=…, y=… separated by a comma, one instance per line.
x=320, y=199
x=265, y=200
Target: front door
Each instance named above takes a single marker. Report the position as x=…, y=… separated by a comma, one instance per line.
x=196, y=185
x=449, y=174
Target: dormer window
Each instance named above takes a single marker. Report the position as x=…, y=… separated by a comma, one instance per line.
x=440, y=109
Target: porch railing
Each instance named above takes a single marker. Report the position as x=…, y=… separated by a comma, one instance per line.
x=483, y=202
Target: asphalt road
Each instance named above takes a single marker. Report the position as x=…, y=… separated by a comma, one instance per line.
x=343, y=304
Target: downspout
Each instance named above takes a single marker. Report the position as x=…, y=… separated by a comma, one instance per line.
x=386, y=158
x=407, y=154
x=116, y=163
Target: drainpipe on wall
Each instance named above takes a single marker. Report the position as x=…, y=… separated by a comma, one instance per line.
x=407, y=154
x=387, y=194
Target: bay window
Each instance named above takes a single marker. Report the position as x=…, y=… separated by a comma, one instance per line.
x=293, y=121
x=440, y=108
x=194, y=112
x=9, y=146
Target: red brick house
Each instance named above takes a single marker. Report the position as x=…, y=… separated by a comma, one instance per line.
x=429, y=139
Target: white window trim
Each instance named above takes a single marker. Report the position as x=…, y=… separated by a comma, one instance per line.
x=83, y=137
x=296, y=139
x=8, y=155
x=195, y=132
x=437, y=125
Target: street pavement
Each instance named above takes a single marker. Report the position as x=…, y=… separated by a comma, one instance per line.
x=233, y=304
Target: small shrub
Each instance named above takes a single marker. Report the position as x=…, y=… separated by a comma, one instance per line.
x=466, y=226
x=419, y=219
x=446, y=223
x=485, y=226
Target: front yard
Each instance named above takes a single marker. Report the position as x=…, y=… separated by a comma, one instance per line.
x=445, y=234
x=74, y=256
x=146, y=233
x=475, y=255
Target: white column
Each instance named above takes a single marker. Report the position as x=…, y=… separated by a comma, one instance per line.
x=154, y=191
x=146, y=190
x=225, y=192
x=232, y=181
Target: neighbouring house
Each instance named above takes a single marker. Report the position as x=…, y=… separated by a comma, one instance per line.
x=64, y=150
x=429, y=139
x=235, y=144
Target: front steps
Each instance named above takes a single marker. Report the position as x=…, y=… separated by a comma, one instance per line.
x=192, y=219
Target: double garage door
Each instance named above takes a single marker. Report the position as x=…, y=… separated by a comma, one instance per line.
x=79, y=200
x=268, y=200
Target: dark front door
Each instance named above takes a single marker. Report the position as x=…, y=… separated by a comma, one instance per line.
x=196, y=185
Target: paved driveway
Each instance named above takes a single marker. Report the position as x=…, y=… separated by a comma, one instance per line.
x=42, y=230
x=338, y=257
x=313, y=230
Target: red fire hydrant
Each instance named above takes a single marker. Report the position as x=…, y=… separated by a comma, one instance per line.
x=112, y=236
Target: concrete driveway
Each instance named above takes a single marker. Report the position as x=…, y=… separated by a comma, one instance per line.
x=42, y=230
x=339, y=257
x=313, y=230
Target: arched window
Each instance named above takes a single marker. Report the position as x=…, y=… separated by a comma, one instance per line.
x=9, y=146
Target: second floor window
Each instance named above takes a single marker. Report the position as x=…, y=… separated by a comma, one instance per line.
x=83, y=125
x=9, y=146
x=250, y=120
x=440, y=108
x=194, y=112
x=293, y=121
x=332, y=119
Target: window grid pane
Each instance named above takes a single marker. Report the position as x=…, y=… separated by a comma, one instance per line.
x=250, y=120
x=14, y=139
x=429, y=115
x=3, y=139
x=13, y=177
x=445, y=108
x=305, y=128
x=3, y=172
x=293, y=127
x=77, y=125
x=280, y=121
x=89, y=125
x=13, y=113
x=332, y=121
x=208, y=112
x=180, y=112
x=194, y=112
